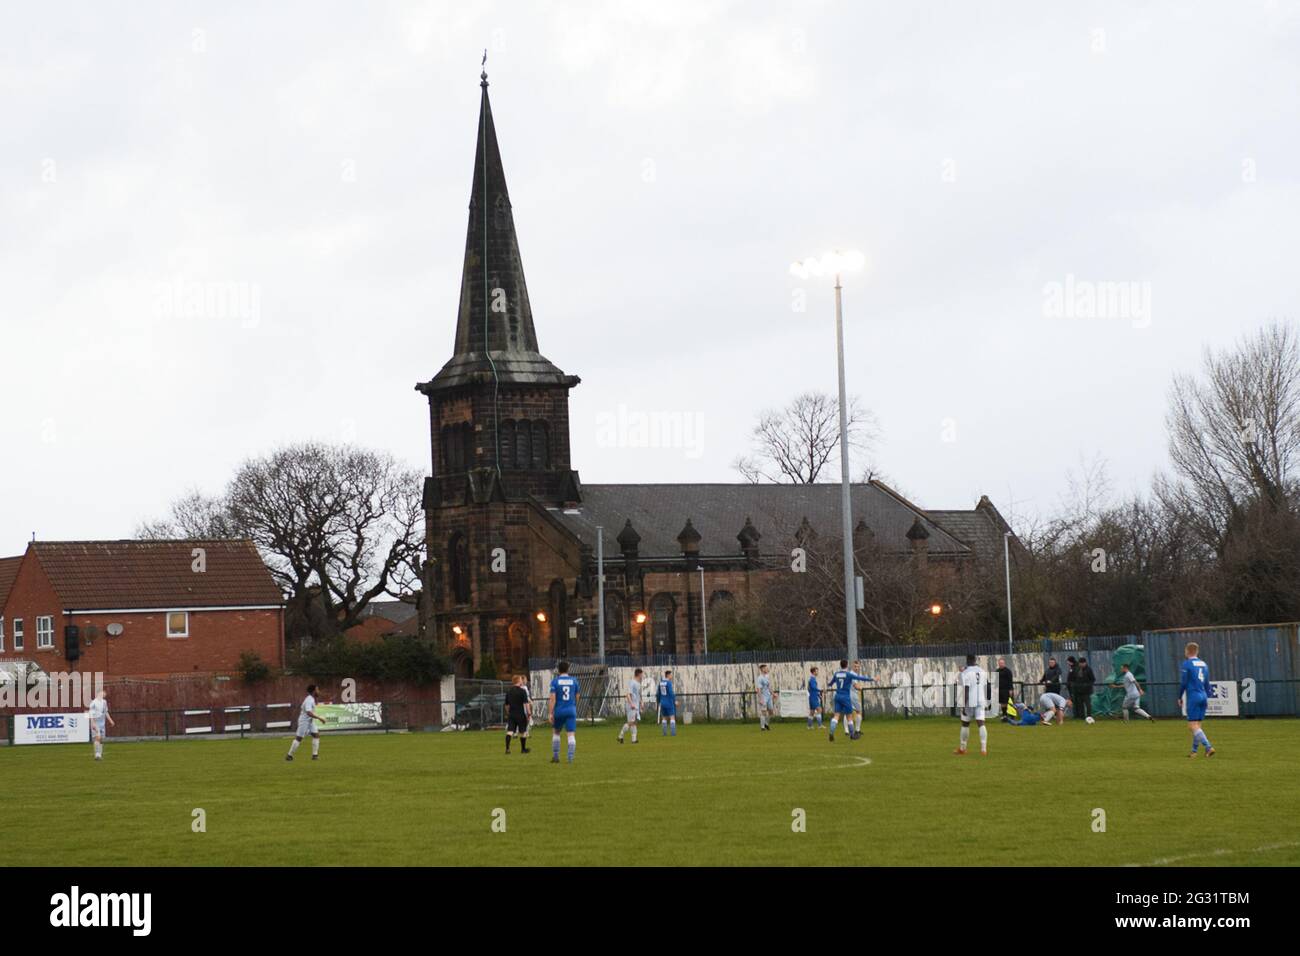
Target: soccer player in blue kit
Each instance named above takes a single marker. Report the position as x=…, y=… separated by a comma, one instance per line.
x=1195, y=684
x=666, y=697
x=842, y=683
x=814, y=698
x=564, y=710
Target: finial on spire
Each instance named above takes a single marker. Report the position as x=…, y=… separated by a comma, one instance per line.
x=483, y=76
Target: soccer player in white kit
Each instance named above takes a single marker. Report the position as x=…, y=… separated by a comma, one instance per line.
x=633, y=698
x=98, y=716
x=972, y=683
x=306, y=715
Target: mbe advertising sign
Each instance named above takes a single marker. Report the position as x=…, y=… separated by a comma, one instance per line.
x=51, y=729
x=1222, y=701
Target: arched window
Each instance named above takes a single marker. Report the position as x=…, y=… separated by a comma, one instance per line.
x=722, y=606
x=467, y=438
x=559, y=619
x=663, y=629
x=541, y=446
x=508, y=443
x=458, y=563
x=614, y=614
x=523, y=445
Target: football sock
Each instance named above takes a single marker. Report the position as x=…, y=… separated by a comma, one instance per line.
x=965, y=736
x=1200, y=734
x=810, y=721
x=315, y=746
x=573, y=746
x=508, y=742
x=663, y=728
x=984, y=738
x=819, y=720
x=622, y=732
x=834, y=721
x=555, y=746
x=293, y=746
x=634, y=733
x=672, y=726
x=1142, y=713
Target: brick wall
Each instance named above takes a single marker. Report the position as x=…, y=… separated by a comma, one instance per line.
x=215, y=641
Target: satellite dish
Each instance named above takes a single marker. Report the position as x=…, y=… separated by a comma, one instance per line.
x=114, y=630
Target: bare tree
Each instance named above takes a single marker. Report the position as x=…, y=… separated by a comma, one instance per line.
x=337, y=526
x=793, y=445
x=194, y=515
x=1234, y=432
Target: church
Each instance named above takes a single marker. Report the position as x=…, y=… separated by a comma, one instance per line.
x=511, y=531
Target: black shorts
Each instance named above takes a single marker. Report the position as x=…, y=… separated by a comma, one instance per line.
x=517, y=723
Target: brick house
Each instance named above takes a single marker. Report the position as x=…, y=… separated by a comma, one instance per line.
x=511, y=531
x=139, y=608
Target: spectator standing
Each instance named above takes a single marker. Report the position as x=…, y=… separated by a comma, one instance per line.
x=1051, y=679
x=1005, y=680
x=1086, y=681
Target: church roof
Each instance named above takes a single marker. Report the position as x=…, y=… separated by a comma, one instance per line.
x=719, y=511
x=495, y=336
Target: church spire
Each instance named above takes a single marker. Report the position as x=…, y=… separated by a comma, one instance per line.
x=496, y=341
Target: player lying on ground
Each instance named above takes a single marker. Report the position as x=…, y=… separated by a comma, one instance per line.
x=98, y=715
x=1025, y=716
x=1195, y=688
x=306, y=725
x=1132, y=695
x=519, y=713
x=633, y=699
x=972, y=682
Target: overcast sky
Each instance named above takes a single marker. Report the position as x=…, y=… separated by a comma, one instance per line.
x=306, y=167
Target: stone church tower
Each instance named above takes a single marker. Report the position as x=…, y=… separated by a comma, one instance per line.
x=512, y=537
x=499, y=428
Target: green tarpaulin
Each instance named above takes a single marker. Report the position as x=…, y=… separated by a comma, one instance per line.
x=1107, y=700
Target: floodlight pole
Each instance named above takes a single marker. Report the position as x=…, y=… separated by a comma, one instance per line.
x=846, y=506
x=600, y=590
x=1006, y=558
x=704, y=610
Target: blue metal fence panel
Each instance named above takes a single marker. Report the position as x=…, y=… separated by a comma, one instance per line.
x=1265, y=654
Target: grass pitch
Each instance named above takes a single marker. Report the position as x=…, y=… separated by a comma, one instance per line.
x=715, y=794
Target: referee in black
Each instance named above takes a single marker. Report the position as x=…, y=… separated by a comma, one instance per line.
x=519, y=711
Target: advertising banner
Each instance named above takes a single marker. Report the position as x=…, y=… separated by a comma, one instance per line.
x=51, y=728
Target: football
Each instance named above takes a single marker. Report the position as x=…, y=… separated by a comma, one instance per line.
x=1088, y=720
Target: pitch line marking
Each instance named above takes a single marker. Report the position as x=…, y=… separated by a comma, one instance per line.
x=857, y=762
x=1165, y=861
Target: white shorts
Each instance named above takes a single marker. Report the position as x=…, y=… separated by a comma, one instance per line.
x=97, y=728
x=1131, y=703
x=306, y=726
x=972, y=713
x=633, y=715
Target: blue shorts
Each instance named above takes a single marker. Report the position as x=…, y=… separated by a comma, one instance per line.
x=1196, y=709
x=843, y=706
x=814, y=703
x=667, y=710
x=567, y=722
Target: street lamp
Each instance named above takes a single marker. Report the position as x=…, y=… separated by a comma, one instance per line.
x=836, y=263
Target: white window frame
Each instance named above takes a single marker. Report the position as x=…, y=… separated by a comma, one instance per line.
x=18, y=634
x=167, y=625
x=45, y=632
x=2, y=633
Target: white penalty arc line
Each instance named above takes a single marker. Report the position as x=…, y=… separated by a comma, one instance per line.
x=1267, y=848
x=857, y=762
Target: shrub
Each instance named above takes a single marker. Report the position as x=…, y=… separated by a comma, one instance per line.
x=252, y=668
